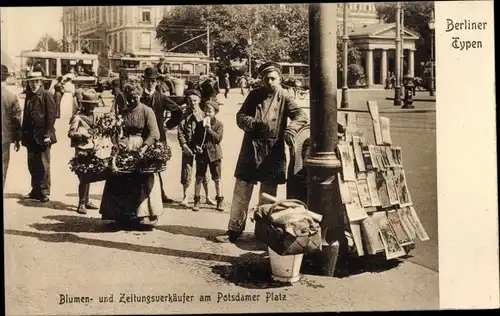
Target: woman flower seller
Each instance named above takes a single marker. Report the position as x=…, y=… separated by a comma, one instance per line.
x=134, y=198
x=81, y=139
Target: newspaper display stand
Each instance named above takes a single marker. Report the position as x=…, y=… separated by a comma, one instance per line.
x=379, y=211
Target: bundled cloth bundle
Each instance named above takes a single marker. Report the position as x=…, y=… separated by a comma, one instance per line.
x=292, y=217
x=287, y=226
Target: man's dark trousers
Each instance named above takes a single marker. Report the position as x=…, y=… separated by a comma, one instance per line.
x=39, y=168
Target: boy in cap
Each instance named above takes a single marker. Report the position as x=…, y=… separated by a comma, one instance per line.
x=185, y=135
x=81, y=139
x=207, y=138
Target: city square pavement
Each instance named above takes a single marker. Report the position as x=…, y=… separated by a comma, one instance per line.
x=52, y=251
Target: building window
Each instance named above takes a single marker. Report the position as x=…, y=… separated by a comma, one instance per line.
x=115, y=16
x=98, y=15
x=115, y=40
x=121, y=15
x=146, y=40
x=146, y=15
x=188, y=67
x=121, y=42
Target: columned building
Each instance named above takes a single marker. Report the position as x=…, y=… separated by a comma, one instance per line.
x=376, y=41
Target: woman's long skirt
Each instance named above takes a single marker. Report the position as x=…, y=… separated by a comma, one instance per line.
x=131, y=196
x=67, y=106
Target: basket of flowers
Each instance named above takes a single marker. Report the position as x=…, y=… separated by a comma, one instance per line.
x=152, y=161
x=155, y=158
x=89, y=168
x=108, y=125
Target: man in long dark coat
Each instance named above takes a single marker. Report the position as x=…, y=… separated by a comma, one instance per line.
x=38, y=135
x=263, y=117
x=160, y=103
x=11, y=123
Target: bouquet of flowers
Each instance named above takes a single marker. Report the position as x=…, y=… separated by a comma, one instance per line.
x=86, y=165
x=108, y=125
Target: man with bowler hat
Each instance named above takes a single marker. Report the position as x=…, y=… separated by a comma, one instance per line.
x=263, y=117
x=11, y=123
x=160, y=103
x=38, y=135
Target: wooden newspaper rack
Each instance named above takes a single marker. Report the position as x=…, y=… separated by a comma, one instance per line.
x=374, y=191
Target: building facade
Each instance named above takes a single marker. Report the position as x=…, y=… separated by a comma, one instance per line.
x=113, y=29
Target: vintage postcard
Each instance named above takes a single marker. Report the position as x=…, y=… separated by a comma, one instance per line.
x=385, y=128
x=391, y=245
x=391, y=187
x=402, y=187
x=372, y=187
x=358, y=153
x=413, y=219
x=364, y=193
x=403, y=238
x=397, y=155
x=137, y=139
x=347, y=157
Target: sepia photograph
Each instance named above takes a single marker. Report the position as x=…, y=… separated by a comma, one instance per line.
x=196, y=159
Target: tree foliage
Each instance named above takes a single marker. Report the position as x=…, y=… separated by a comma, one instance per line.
x=49, y=43
x=277, y=32
x=417, y=15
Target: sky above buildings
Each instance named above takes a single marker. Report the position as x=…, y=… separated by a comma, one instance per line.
x=22, y=27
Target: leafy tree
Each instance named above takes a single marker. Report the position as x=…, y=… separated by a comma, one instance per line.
x=48, y=43
x=278, y=32
x=417, y=15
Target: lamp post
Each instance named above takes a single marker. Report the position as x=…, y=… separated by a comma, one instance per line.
x=397, y=89
x=345, y=38
x=431, y=27
x=402, y=74
x=250, y=42
x=322, y=164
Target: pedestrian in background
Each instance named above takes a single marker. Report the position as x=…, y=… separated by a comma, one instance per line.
x=81, y=139
x=264, y=119
x=38, y=135
x=161, y=105
x=58, y=94
x=185, y=135
x=207, y=138
x=227, y=84
x=11, y=123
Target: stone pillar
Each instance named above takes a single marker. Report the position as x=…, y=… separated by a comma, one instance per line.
x=383, y=66
x=411, y=63
x=58, y=67
x=369, y=68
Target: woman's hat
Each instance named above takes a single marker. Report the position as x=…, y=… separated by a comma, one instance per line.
x=193, y=91
x=268, y=67
x=150, y=73
x=90, y=97
x=34, y=76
